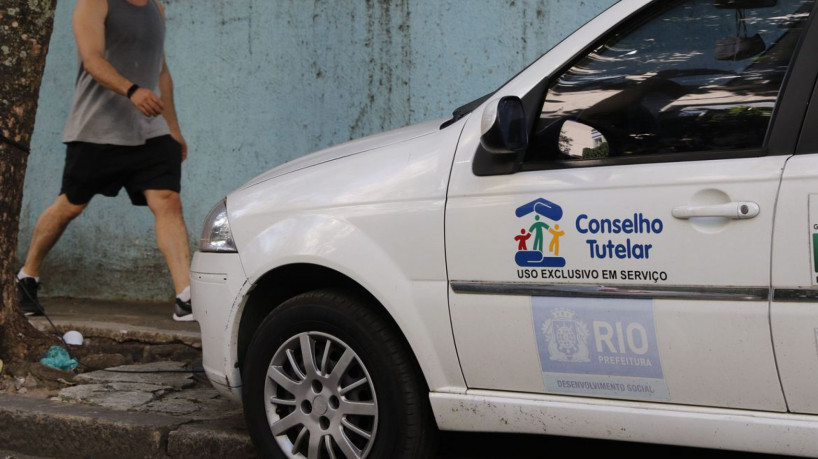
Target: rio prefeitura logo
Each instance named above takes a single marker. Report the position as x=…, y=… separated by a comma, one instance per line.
x=538, y=244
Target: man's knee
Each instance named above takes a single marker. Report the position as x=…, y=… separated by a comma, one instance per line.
x=164, y=201
x=65, y=210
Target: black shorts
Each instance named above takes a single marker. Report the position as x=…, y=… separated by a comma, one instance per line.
x=104, y=169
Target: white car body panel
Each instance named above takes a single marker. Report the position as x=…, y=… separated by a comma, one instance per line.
x=210, y=294
x=484, y=411
x=349, y=148
x=652, y=190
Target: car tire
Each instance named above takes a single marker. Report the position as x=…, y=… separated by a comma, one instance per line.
x=357, y=390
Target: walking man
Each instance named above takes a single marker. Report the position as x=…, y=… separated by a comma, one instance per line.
x=122, y=131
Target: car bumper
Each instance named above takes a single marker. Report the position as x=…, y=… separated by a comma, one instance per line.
x=217, y=285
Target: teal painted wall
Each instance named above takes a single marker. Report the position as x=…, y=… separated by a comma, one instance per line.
x=260, y=82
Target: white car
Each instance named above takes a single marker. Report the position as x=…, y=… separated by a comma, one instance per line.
x=620, y=243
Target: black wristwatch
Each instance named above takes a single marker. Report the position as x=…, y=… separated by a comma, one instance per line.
x=132, y=90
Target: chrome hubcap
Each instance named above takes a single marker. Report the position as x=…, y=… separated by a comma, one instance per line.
x=320, y=399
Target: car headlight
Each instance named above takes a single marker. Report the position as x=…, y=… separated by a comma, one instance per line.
x=216, y=234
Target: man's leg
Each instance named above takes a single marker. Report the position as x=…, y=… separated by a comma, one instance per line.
x=47, y=231
x=171, y=235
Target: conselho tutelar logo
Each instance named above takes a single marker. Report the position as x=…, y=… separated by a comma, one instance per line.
x=538, y=242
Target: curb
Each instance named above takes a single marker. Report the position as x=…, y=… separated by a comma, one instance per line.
x=217, y=440
x=121, y=333
x=59, y=430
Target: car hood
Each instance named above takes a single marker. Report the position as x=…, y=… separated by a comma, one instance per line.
x=348, y=149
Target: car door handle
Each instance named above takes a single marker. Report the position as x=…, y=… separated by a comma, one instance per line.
x=736, y=210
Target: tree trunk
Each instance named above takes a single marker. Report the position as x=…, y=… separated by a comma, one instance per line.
x=25, y=32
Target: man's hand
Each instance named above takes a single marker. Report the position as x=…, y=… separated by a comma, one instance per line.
x=147, y=102
x=177, y=136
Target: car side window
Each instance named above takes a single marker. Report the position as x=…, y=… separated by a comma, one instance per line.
x=687, y=76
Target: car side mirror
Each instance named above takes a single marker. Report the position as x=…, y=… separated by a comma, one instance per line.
x=503, y=126
x=580, y=141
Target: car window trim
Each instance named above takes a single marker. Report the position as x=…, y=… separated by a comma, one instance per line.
x=808, y=140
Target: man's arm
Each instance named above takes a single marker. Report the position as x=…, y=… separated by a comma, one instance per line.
x=89, y=32
x=166, y=88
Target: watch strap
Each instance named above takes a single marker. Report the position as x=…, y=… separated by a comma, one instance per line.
x=132, y=90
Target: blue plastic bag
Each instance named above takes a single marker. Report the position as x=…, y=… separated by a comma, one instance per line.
x=57, y=357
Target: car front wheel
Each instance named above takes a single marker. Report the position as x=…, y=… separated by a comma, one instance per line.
x=326, y=376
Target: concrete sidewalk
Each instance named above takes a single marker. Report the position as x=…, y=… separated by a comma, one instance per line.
x=155, y=403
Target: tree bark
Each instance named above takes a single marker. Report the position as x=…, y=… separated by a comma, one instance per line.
x=25, y=32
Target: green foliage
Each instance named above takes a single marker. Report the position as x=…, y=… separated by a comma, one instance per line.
x=601, y=151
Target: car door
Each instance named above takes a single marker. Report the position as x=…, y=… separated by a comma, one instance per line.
x=794, y=310
x=625, y=253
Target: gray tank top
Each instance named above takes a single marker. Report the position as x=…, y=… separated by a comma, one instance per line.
x=134, y=45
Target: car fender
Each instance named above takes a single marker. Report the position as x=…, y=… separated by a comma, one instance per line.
x=382, y=229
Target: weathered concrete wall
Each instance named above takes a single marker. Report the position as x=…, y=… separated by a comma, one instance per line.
x=260, y=82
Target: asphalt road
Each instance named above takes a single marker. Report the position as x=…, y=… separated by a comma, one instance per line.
x=457, y=445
